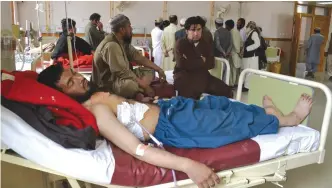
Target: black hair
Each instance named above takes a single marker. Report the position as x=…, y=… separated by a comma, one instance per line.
x=95, y=16
x=166, y=23
x=195, y=20
x=51, y=75
x=116, y=28
x=71, y=24
x=317, y=30
x=260, y=29
x=173, y=19
x=243, y=21
x=230, y=23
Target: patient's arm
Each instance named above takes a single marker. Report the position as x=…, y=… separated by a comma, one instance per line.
x=114, y=131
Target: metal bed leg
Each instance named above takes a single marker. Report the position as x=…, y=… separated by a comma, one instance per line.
x=73, y=183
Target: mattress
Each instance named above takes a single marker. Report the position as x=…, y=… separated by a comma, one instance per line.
x=100, y=164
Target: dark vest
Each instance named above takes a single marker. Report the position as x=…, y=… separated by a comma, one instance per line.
x=249, y=42
x=329, y=50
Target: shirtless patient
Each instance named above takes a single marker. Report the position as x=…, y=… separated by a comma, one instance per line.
x=179, y=122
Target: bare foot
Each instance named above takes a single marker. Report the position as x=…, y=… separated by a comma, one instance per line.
x=270, y=107
x=303, y=107
x=267, y=102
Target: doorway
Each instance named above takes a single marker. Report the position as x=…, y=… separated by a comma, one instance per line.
x=306, y=19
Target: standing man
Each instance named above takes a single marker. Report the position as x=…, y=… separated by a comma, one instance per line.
x=250, y=55
x=241, y=22
x=313, y=52
x=94, y=32
x=328, y=55
x=222, y=40
x=168, y=42
x=235, y=61
x=112, y=70
x=156, y=35
x=182, y=32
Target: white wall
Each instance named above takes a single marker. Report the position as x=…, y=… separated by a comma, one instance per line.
x=274, y=17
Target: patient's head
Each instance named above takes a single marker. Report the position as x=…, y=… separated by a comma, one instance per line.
x=67, y=81
x=194, y=26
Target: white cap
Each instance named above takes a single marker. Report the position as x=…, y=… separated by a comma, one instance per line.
x=183, y=21
x=219, y=20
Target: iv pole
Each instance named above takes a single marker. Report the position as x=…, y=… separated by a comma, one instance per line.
x=40, y=38
x=70, y=50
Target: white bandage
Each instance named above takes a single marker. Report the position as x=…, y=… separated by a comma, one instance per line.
x=140, y=150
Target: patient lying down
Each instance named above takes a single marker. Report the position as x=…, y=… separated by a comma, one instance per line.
x=179, y=122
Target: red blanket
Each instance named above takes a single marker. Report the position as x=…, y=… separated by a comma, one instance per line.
x=82, y=61
x=130, y=171
x=68, y=112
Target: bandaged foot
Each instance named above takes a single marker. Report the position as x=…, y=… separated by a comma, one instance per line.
x=302, y=108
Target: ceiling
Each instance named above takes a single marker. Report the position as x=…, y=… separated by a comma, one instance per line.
x=318, y=3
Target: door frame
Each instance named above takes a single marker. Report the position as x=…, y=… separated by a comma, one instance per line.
x=295, y=37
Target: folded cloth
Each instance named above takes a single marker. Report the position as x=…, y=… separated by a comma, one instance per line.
x=25, y=88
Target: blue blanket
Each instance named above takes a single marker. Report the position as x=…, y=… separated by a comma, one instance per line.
x=211, y=122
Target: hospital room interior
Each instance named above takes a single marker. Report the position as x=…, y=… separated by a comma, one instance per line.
x=166, y=94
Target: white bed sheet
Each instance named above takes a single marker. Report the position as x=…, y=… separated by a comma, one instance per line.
x=98, y=165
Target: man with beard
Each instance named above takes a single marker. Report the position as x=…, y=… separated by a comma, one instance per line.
x=112, y=70
x=194, y=57
x=178, y=122
x=241, y=22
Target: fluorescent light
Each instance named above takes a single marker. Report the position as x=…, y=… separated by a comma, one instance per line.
x=325, y=3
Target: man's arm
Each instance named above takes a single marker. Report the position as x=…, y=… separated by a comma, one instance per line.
x=185, y=60
x=113, y=56
x=229, y=49
x=114, y=131
x=236, y=39
x=59, y=47
x=210, y=61
x=217, y=44
x=95, y=36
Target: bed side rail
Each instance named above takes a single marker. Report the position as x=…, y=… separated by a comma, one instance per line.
x=228, y=69
x=324, y=88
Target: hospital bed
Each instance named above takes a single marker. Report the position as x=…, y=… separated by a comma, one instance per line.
x=292, y=147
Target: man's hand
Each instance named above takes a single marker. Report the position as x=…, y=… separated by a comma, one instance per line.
x=143, y=82
x=325, y=54
x=162, y=75
x=201, y=175
x=204, y=59
x=100, y=26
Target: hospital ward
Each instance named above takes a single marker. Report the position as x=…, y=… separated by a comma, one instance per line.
x=166, y=94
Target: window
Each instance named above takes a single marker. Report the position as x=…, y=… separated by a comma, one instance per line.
x=322, y=11
x=304, y=9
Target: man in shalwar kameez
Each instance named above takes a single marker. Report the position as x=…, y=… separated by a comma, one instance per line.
x=313, y=52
